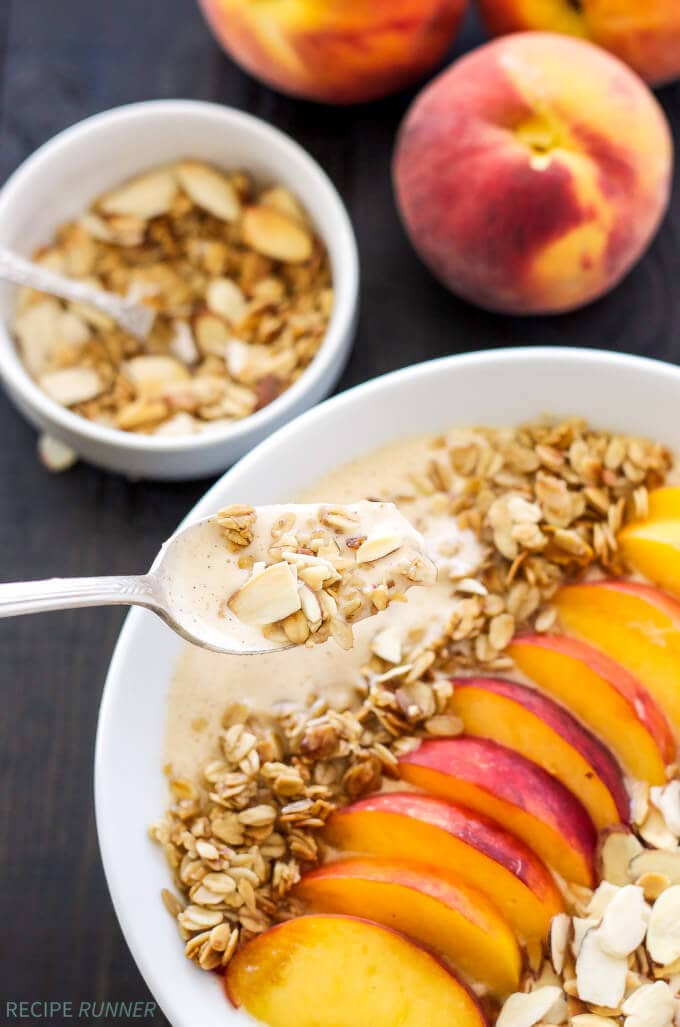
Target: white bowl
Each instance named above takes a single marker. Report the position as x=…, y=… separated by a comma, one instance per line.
x=65, y=174
x=503, y=387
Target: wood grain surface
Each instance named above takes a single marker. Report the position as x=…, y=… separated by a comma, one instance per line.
x=61, y=60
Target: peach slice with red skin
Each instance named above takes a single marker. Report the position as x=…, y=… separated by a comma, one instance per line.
x=347, y=972
x=509, y=788
x=429, y=904
x=636, y=625
x=604, y=696
x=425, y=830
x=533, y=725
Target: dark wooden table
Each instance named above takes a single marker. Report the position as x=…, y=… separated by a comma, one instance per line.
x=61, y=61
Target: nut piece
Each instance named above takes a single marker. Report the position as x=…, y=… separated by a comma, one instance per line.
x=375, y=548
x=72, y=385
x=387, y=645
x=650, y=861
x=150, y=374
x=226, y=299
x=663, y=932
x=617, y=849
x=274, y=235
x=55, y=455
x=652, y=1005
x=560, y=929
x=209, y=189
x=600, y=978
x=146, y=196
x=624, y=923
x=667, y=801
x=525, y=1010
x=37, y=329
x=268, y=597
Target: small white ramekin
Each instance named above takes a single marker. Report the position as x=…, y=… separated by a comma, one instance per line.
x=62, y=177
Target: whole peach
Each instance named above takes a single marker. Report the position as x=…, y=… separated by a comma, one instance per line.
x=336, y=51
x=643, y=33
x=532, y=173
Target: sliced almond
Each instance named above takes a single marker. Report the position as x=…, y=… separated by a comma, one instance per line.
x=177, y=425
x=377, y=547
x=652, y=1005
x=386, y=644
x=667, y=801
x=663, y=932
x=591, y=1020
x=581, y=925
x=211, y=333
x=55, y=455
x=276, y=236
x=183, y=345
x=209, y=189
x=560, y=930
x=72, y=385
x=73, y=329
x=310, y=606
x=639, y=801
x=126, y=229
x=282, y=199
x=624, y=923
x=655, y=832
x=150, y=374
x=225, y=298
x=653, y=885
x=650, y=861
x=527, y=1009
x=600, y=978
x=601, y=898
x=146, y=196
x=141, y=413
x=96, y=227
x=617, y=848
x=267, y=598
x=37, y=330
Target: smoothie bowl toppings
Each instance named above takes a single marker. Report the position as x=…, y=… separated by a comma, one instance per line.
x=237, y=277
x=464, y=807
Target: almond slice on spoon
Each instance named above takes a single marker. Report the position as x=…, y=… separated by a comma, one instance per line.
x=375, y=548
x=147, y=196
x=268, y=597
x=209, y=189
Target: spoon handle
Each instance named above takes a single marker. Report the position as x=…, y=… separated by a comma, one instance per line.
x=20, y=597
x=135, y=318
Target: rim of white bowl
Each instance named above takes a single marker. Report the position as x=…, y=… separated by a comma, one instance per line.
x=153, y=974
x=345, y=282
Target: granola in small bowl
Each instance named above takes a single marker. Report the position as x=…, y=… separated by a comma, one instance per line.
x=353, y=782
x=239, y=281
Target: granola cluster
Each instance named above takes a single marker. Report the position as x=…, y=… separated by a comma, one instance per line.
x=545, y=503
x=238, y=279
x=321, y=573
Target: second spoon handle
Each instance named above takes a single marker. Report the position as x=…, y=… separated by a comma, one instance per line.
x=20, y=597
x=135, y=318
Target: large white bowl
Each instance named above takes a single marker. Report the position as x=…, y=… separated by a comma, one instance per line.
x=61, y=179
x=504, y=387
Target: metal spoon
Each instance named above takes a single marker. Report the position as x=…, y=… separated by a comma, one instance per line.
x=193, y=574
x=134, y=318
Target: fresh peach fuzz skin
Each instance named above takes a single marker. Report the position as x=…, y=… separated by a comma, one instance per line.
x=533, y=173
x=335, y=51
x=643, y=33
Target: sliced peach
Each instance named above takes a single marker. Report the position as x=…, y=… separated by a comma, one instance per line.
x=509, y=788
x=433, y=906
x=652, y=547
x=634, y=624
x=424, y=829
x=530, y=723
x=663, y=504
x=339, y=971
x=607, y=698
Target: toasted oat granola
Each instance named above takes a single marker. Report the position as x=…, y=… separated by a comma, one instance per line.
x=239, y=281
x=324, y=568
x=546, y=502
